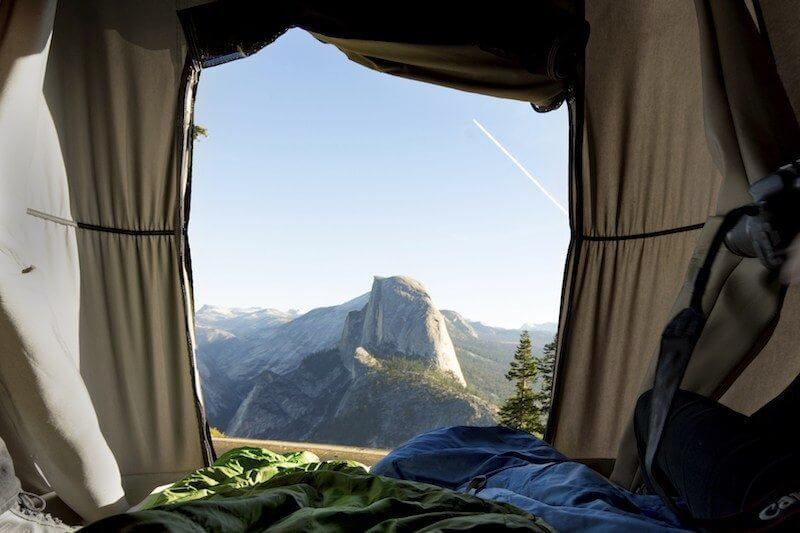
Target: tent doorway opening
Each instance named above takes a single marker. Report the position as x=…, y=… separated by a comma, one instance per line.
x=368, y=250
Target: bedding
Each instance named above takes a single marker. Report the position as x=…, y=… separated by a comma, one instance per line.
x=239, y=468
x=510, y=466
x=252, y=489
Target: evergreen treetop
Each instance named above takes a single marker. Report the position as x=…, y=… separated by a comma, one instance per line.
x=523, y=410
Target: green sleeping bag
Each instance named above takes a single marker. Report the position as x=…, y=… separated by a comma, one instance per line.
x=252, y=489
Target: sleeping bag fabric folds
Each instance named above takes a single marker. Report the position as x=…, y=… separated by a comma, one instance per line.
x=253, y=489
x=510, y=466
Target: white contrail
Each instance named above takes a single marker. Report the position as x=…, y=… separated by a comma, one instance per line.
x=519, y=166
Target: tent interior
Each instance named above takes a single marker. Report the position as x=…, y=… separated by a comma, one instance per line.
x=675, y=109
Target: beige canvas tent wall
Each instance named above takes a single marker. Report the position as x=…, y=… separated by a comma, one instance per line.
x=644, y=184
x=98, y=389
x=99, y=394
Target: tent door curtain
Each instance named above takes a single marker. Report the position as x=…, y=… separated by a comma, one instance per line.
x=751, y=131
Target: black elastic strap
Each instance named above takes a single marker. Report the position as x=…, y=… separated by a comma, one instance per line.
x=677, y=345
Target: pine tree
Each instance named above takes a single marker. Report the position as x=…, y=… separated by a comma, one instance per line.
x=523, y=409
x=547, y=369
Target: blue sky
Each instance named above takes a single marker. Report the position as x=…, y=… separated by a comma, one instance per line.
x=318, y=174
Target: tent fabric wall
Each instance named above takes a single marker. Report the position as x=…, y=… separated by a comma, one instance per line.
x=98, y=380
x=522, y=51
x=119, y=87
x=751, y=130
x=779, y=361
x=781, y=18
x=645, y=185
x=649, y=173
x=465, y=67
x=47, y=416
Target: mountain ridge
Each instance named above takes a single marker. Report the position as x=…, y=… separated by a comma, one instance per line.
x=385, y=354
x=400, y=320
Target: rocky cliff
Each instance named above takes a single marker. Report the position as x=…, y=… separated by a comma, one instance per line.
x=284, y=347
x=400, y=320
x=381, y=404
x=374, y=370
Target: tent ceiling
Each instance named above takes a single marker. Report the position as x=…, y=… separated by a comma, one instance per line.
x=524, y=51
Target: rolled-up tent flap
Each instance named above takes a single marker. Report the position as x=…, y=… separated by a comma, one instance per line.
x=465, y=67
x=523, y=51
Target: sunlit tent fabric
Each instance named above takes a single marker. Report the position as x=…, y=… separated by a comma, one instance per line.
x=751, y=130
x=653, y=143
x=46, y=414
x=642, y=184
x=98, y=386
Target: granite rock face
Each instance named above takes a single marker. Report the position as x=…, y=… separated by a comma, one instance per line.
x=374, y=405
x=372, y=371
x=400, y=320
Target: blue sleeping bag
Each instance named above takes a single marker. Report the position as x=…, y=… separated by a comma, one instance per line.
x=511, y=466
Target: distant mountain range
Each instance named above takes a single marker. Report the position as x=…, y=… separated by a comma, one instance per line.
x=373, y=371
